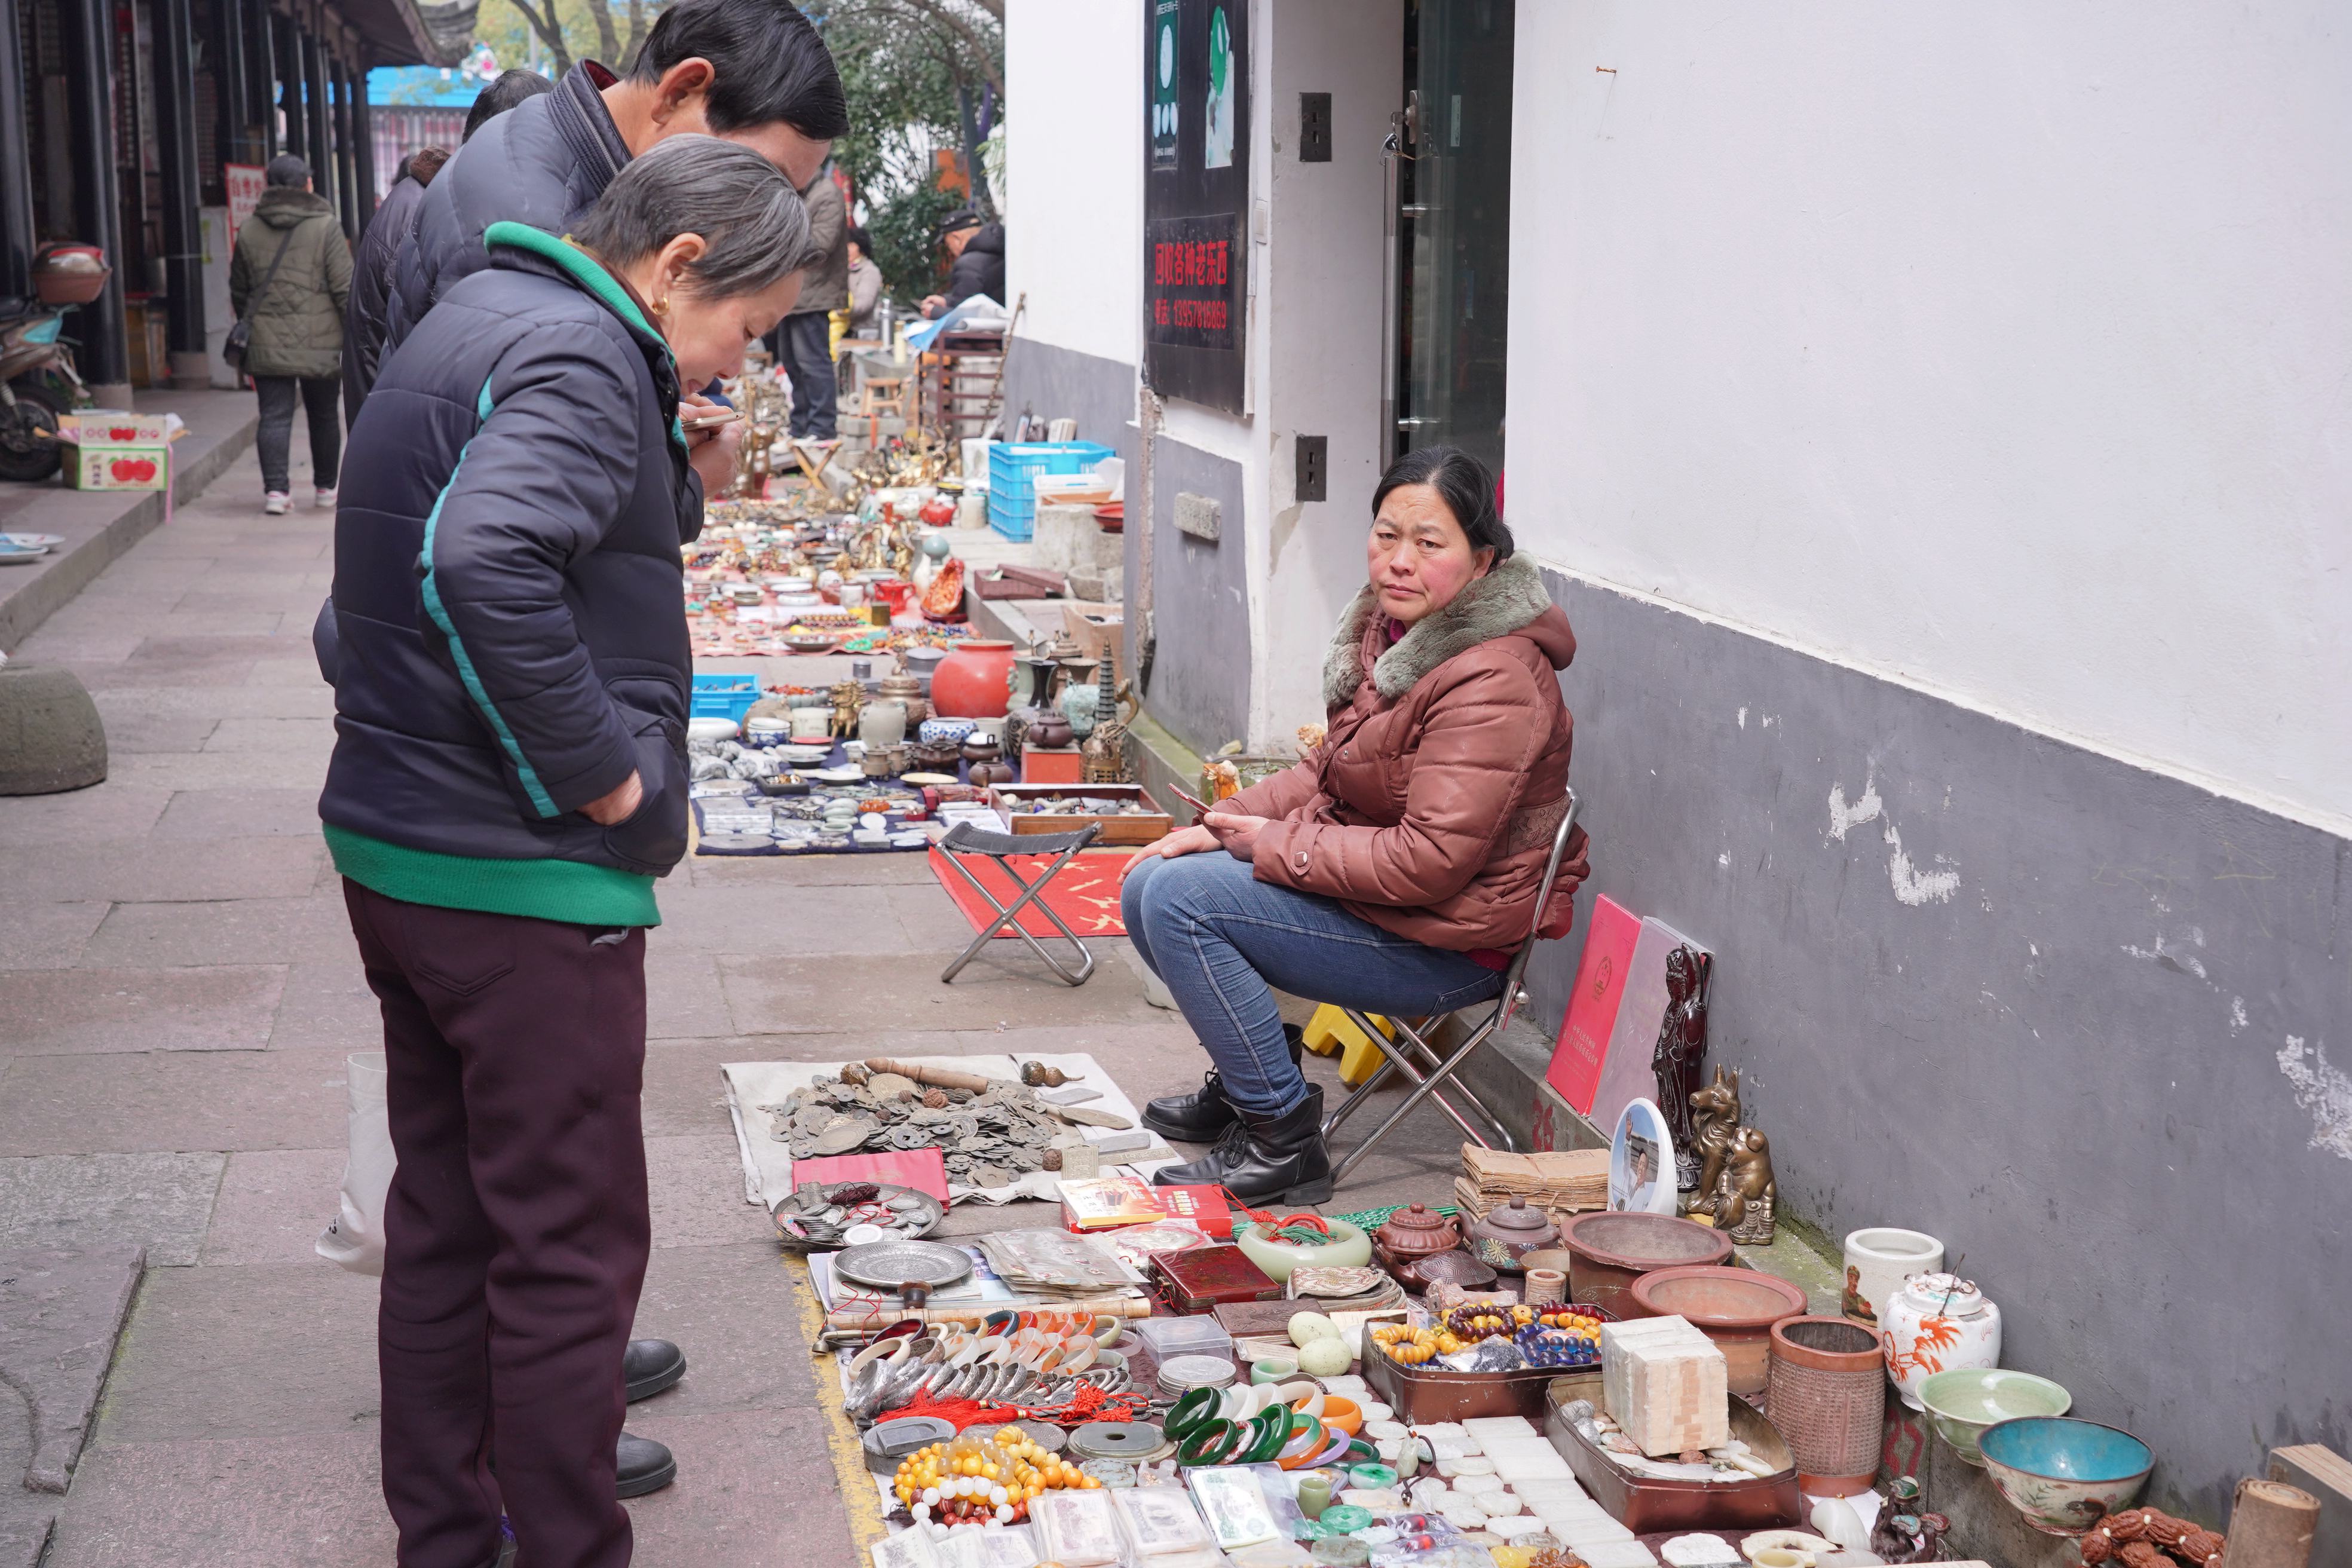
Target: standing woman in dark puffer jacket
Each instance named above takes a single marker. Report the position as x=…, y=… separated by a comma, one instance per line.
x=508, y=780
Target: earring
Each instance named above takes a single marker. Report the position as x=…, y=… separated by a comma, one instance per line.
x=661, y=306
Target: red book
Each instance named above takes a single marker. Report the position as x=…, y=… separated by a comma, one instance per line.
x=1576, y=1061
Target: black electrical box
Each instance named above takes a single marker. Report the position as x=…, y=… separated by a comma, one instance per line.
x=1314, y=476
x=1314, y=127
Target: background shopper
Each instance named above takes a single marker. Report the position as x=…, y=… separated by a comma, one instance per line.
x=803, y=344
x=975, y=262
x=865, y=282
x=374, y=267
x=508, y=780
x=290, y=276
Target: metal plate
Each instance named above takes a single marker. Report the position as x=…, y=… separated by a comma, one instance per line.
x=1114, y=1439
x=889, y=1265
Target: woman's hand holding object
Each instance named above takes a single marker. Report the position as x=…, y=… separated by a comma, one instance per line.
x=1235, y=832
x=1184, y=841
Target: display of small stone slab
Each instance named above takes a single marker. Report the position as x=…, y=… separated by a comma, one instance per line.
x=988, y=1137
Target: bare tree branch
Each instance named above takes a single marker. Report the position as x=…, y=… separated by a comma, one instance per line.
x=608, y=40
x=637, y=25
x=550, y=31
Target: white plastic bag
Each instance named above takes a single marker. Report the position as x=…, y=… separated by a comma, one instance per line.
x=355, y=1240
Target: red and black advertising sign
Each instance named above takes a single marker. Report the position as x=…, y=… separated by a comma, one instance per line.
x=1196, y=195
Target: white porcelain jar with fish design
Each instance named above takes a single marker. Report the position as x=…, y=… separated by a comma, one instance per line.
x=1937, y=1322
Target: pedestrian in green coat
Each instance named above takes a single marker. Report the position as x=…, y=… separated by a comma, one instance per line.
x=297, y=316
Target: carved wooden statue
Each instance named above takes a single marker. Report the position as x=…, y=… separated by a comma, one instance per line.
x=1682, y=1041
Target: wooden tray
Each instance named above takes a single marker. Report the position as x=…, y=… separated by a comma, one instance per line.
x=1150, y=828
x=1433, y=1392
x=1642, y=1505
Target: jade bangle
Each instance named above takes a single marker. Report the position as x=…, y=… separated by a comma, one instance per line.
x=1209, y=1444
x=1308, y=1436
x=1191, y=1413
x=1272, y=1430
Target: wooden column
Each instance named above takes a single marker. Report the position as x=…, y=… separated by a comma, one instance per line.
x=175, y=145
x=318, y=125
x=362, y=146
x=16, y=230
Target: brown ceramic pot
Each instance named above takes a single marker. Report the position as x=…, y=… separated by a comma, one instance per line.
x=1508, y=1232
x=1827, y=1392
x=1611, y=1248
x=1049, y=729
x=1735, y=1307
x=1413, y=1234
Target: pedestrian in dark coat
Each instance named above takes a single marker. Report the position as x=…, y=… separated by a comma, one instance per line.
x=378, y=260
x=508, y=783
x=975, y=262
x=372, y=273
x=753, y=71
x=290, y=277
x=805, y=341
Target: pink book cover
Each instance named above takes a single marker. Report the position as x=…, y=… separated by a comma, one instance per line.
x=1576, y=1061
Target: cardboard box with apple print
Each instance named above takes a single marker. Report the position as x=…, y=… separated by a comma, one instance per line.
x=114, y=450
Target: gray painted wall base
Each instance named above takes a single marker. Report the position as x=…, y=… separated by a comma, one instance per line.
x=2073, y=1018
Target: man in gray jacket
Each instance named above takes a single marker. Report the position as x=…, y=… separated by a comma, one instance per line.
x=803, y=340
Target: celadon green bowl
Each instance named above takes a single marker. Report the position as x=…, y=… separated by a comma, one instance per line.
x=1962, y=1404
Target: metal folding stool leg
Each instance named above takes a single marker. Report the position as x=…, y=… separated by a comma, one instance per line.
x=965, y=839
x=1442, y=1069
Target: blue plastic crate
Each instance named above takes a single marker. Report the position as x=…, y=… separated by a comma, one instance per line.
x=724, y=696
x=1012, y=469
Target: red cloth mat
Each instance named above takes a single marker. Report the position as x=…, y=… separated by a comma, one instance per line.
x=1085, y=895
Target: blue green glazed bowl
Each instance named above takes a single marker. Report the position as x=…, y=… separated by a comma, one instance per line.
x=2065, y=1475
x=1963, y=1401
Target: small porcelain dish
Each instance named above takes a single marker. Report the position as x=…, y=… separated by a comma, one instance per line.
x=2065, y=1475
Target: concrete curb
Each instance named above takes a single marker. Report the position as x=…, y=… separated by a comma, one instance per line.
x=99, y=526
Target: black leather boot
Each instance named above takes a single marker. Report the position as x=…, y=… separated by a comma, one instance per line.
x=1205, y=1115
x=642, y=1465
x=648, y=1366
x=1264, y=1159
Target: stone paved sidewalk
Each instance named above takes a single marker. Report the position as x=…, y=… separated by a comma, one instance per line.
x=179, y=991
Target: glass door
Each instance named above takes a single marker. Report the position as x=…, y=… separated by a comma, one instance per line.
x=1450, y=159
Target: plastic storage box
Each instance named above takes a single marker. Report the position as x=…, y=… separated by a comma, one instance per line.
x=1012, y=469
x=724, y=696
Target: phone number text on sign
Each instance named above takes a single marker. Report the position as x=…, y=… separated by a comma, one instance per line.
x=1191, y=281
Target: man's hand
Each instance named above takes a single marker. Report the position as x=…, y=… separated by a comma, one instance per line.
x=1184, y=841
x=618, y=804
x=712, y=451
x=932, y=305
x=1237, y=832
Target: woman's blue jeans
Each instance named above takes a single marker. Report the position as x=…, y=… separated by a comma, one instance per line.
x=1220, y=938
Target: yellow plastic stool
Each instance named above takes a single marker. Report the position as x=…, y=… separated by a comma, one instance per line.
x=1331, y=1030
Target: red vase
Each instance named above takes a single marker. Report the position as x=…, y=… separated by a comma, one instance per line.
x=973, y=681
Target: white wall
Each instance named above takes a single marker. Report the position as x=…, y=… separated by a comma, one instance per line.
x=1322, y=298
x=2003, y=348
x=1074, y=156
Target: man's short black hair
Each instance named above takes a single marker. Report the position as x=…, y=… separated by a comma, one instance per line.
x=512, y=87
x=286, y=169
x=767, y=65
x=860, y=239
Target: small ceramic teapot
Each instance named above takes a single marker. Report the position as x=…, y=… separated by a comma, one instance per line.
x=1413, y=1234
x=1937, y=1322
x=1508, y=1232
x=1049, y=729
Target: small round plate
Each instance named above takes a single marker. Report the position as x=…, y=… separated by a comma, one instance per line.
x=889, y=1265
x=932, y=779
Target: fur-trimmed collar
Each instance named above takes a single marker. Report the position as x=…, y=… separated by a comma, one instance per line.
x=1504, y=600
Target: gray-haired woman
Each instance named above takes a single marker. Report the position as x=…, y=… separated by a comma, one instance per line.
x=509, y=656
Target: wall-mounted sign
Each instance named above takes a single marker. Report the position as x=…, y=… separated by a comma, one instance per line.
x=1196, y=199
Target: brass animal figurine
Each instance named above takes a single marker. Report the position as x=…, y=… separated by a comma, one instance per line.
x=1746, y=1195
x=1715, y=1117
x=848, y=702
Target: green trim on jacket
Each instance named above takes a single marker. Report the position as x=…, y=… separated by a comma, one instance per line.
x=572, y=891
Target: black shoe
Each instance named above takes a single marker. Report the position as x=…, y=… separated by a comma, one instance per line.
x=1205, y=1115
x=648, y=1366
x=1264, y=1159
x=642, y=1465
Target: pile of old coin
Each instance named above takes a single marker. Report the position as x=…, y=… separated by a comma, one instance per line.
x=989, y=1137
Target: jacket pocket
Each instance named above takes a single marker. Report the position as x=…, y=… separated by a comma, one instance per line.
x=652, y=838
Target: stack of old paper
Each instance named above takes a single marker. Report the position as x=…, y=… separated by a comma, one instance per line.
x=1564, y=1181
